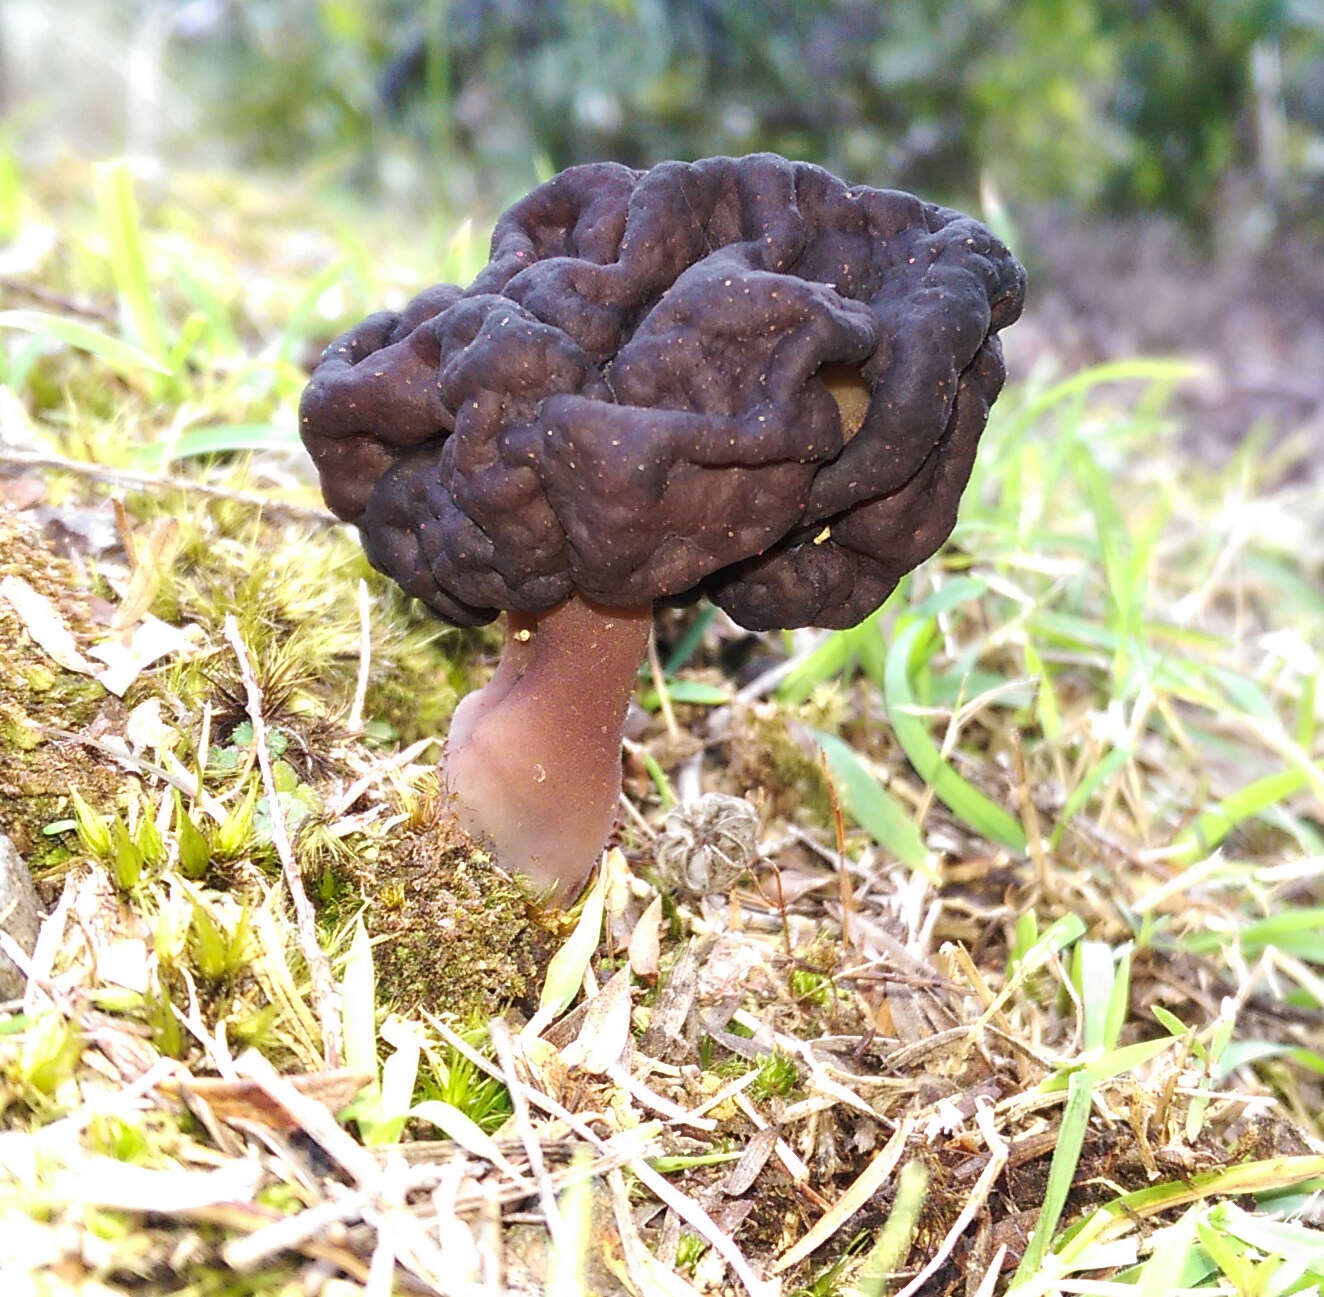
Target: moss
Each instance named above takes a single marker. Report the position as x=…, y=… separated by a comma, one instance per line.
x=294, y=598
x=38, y=697
x=422, y=667
x=35, y=793
x=453, y=932
x=16, y=730
x=766, y=757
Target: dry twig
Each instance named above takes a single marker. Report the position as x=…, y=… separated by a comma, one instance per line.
x=131, y=481
x=319, y=966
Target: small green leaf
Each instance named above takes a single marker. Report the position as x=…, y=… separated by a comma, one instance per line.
x=1059, y=935
x=698, y=692
x=52, y=1046
x=126, y=859
x=208, y=942
x=147, y=839
x=93, y=831
x=194, y=853
x=235, y=833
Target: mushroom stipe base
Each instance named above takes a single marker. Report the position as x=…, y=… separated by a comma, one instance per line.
x=533, y=760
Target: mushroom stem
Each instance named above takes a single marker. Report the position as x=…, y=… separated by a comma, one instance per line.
x=533, y=759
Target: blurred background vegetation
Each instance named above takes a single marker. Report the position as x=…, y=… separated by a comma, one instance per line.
x=462, y=104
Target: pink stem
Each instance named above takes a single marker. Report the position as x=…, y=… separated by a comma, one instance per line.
x=534, y=758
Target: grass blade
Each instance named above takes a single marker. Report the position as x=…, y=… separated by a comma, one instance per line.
x=687, y=644
x=841, y=651
x=123, y=357
x=121, y=220
x=961, y=797
x=829, y=660
x=1209, y=828
x=1070, y=1139
x=228, y=438
x=1137, y=369
x=297, y=330
x=1161, y=1274
x=1083, y=791
x=1298, y=932
x=1094, y=976
x=898, y=1231
x=872, y=806
x=1122, y=1059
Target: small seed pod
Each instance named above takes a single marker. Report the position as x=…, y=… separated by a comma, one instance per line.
x=707, y=844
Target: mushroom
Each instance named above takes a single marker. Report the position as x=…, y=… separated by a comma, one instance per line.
x=737, y=378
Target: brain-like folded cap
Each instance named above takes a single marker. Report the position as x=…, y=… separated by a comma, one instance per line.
x=737, y=377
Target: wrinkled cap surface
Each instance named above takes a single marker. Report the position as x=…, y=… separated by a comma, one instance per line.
x=738, y=377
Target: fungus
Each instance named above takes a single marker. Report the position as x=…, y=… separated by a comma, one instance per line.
x=737, y=378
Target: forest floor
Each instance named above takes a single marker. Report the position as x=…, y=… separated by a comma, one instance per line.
x=1019, y=985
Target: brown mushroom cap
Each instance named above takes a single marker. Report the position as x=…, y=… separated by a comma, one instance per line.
x=737, y=377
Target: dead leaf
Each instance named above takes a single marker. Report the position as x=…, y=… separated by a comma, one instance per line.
x=147, y=729
x=43, y=622
x=19, y=493
x=543, y=1062
x=78, y=528
x=126, y=659
x=646, y=942
x=606, y=1030
x=740, y=1178
x=125, y=962
x=110, y=1182
x=666, y=1036
x=232, y=1100
x=150, y=559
